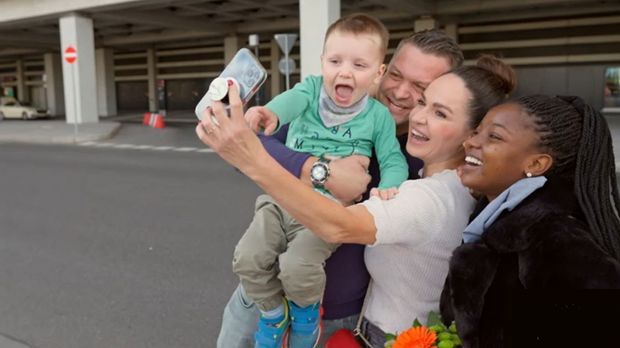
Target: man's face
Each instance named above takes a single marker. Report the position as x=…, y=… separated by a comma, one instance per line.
x=407, y=76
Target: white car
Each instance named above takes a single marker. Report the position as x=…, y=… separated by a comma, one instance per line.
x=12, y=108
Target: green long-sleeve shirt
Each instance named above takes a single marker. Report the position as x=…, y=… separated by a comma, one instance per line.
x=373, y=127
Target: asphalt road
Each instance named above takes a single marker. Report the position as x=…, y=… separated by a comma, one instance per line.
x=105, y=247
x=120, y=246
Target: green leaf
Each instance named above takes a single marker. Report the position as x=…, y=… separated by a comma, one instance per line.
x=390, y=337
x=452, y=327
x=457, y=340
x=436, y=328
x=416, y=323
x=435, y=319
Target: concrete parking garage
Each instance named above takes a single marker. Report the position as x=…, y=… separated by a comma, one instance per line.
x=126, y=48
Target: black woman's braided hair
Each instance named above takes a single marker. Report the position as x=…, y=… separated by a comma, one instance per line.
x=578, y=139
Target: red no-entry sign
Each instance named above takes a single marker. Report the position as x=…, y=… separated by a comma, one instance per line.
x=70, y=55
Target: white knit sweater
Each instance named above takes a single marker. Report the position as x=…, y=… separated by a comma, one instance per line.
x=416, y=233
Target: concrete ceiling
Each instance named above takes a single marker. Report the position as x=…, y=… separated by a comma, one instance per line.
x=138, y=24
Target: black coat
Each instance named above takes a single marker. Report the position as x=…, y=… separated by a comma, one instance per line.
x=522, y=284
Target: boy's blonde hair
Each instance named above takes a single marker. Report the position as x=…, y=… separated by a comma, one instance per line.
x=361, y=23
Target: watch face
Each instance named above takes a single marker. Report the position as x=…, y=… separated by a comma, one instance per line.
x=318, y=173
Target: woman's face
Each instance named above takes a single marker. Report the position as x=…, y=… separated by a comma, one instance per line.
x=439, y=122
x=500, y=151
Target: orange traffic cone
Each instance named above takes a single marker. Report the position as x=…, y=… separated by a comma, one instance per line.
x=146, y=120
x=158, y=121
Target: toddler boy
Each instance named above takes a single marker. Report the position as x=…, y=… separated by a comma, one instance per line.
x=330, y=116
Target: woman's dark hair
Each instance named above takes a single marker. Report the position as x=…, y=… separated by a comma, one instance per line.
x=578, y=139
x=490, y=82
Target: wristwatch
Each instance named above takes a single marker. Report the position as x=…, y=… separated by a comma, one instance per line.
x=319, y=173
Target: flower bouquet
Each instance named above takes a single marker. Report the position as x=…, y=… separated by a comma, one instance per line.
x=434, y=335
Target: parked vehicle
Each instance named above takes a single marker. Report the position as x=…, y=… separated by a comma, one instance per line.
x=12, y=108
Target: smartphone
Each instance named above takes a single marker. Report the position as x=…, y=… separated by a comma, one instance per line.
x=245, y=70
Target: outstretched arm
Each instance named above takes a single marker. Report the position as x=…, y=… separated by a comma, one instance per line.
x=233, y=140
x=293, y=161
x=349, y=175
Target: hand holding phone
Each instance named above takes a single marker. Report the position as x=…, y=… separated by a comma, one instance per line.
x=245, y=71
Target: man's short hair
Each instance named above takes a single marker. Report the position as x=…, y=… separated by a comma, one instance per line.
x=361, y=23
x=437, y=43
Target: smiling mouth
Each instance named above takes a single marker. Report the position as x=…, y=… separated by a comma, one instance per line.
x=471, y=160
x=419, y=136
x=404, y=107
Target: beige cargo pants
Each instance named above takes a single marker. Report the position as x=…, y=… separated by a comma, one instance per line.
x=278, y=256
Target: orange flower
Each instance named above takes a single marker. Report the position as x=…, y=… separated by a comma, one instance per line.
x=416, y=337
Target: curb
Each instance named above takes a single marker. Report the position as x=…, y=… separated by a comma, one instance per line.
x=57, y=133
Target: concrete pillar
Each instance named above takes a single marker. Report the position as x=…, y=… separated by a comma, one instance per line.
x=232, y=43
x=314, y=18
x=23, y=94
x=151, y=71
x=79, y=77
x=276, y=79
x=53, y=84
x=424, y=23
x=452, y=30
x=106, y=87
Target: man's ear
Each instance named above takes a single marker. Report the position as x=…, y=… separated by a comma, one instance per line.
x=380, y=73
x=539, y=164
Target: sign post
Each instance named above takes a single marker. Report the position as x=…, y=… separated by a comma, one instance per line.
x=70, y=56
x=286, y=43
x=162, y=98
x=254, y=41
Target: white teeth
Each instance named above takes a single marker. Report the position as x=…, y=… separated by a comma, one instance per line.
x=418, y=134
x=473, y=160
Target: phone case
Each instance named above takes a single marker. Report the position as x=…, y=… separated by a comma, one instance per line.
x=246, y=71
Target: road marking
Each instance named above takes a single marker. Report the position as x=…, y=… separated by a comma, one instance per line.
x=146, y=147
x=9, y=342
x=185, y=149
x=172, y=148
x=163, y=148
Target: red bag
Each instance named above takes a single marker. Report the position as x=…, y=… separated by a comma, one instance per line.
x=342, y=338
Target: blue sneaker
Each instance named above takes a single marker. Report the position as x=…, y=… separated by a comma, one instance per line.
x=305, y=325
x=272, y=333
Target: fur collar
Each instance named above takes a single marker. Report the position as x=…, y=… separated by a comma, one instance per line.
x=511, y=232
x=473, y=266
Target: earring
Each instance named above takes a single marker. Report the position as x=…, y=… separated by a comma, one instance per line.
x=528, y=174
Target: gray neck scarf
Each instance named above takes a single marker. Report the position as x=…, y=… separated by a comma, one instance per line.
x=333, y=115
x=507, y=200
